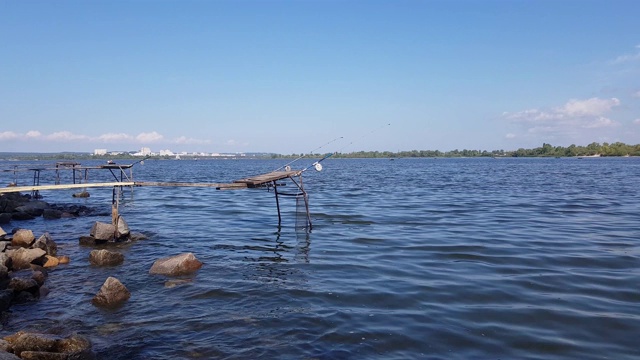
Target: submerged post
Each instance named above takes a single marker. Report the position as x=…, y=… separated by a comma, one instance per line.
x=275, y=190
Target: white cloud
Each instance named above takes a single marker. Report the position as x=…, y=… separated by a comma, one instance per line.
x=66, y=136
x=149, y=137
x=636, y=121
x=628, y=57
x=601, y=122
x=190, y=141
x=589, y=107
x=33, y=134
x=8, y=135
x=510, y=136
x=113, y=137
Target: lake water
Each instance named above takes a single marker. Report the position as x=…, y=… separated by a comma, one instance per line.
x=408, y=259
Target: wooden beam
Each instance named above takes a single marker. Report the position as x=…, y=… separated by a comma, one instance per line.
x=11, y=189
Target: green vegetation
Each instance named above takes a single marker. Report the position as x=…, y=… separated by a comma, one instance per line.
x=546, y=150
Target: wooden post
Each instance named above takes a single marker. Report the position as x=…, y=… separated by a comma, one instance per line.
x=114, y=212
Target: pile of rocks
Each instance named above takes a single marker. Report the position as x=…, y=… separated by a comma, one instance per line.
x=23, y=266
x=15, y=206
x=35, y=346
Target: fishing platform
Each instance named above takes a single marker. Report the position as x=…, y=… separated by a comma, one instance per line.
x=123, y=177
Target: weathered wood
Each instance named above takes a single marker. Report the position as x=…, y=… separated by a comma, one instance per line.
x=184, y=184
x=11, y=189
x=269, y=177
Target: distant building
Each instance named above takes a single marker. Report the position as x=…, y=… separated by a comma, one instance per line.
x=143, y=152
x=100, y=152
x=166, y=153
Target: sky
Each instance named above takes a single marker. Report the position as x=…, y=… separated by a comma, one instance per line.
x=317, y=75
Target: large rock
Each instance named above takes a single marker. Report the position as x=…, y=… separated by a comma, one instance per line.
x=46, y=243
x=51, y=214
x=123, y=227
x=49, y=347
x=6, y=297
x=103, y=231
x=2, y=233
x=112, y=294
x=5, y=218
x=18, y=215
x=22, y=258
x=8, y=356
x=90, y=241
x=23, y=238
x=33, y=342
x=20, y=284
x=105, y=258
x=176, y=265
x=50, y=261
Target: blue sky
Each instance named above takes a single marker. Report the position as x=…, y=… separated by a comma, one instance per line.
x=290, y=76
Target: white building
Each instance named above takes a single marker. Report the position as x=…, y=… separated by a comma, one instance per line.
x=143, y=152
x=100, y=152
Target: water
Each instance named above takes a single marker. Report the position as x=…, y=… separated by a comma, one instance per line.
x=408, y=259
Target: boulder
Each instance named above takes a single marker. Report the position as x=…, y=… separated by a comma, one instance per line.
x=21, y=216
x=105, y=258
x=23, y=238
x=64, y=259
x=46, y=243
x=176, y=265
x=135, y=236
x=82, y=194
x=6, y=297
x=103, y=231
x=22, y=258
x=123, y=228
x=2, y=232
x=5, y=218
x=42, y=355
x=8, y=356
x=39, y=277
x=90, y=241
x=33, y=342
x=51, y=214
x=112, y=294
x=19, y=284
x=74, y=344
x=50, y=261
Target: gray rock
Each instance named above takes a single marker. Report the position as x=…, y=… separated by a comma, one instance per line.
x=5, y=218
x=46, y=243
x=103, y=231
x=23, y=238
x=105, y=258
x=112, y=294
x=19, y=284
x=21, y=216
x=123, y=227
x=22, y=258
x=2, y=232
x=82, y=194
x=6, y=297
x=135, y=236
x=176, y=265
x=33, y=342
x=51, y=214
x=90, y=241
x=8, y=356
x=74, y=344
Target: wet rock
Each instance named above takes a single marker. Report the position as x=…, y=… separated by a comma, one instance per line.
x=4, y=271
x=6, y=297
x=176, y=265
x=2, y=233
x=74, y=344
x=8, y=356
x=42, y=355
x=177, y=282
x=82, y=194
x=123, y=228
x=105, y=258
x=112, y=294
x=20, y=284
x=22, y=216
x=4, y=346
x=22, y=258
x=52, y=214
x=63, y=259
x=46, y=243
x=23, y=298
x=33, y=342
x=23, y=238
x=5, y=218
x=43, y=291
x=5, y=260
x=50, y=261
x=135, y=236
x=39, y=276
x=90, y=241
x=103, y=231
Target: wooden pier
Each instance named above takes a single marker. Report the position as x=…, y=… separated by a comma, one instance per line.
x=125, y=179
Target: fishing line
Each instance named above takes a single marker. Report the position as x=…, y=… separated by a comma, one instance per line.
x=363, y=136
x=303, y=155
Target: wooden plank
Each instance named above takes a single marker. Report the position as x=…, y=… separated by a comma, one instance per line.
x=268, y=177
x=183, y=184
x=11, y=189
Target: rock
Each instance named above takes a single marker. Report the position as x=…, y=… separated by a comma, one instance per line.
x=64, y=259
x=4, y=245
x=43, y=291
x=6, y=297
x=22, y=258
x=39, y=277
x=23, y=238
x=4, y=271
x=51, y=214
x=5, y=218
x=105, y=258
x=8, y=356
x=112, y=294
x=135, y=236
x=33, y=342
x=20, y=284
x=90, y=241
x=2, y=232
x=24, y=297
x=46, y=243
x=82, y=194
x=74, y=344
x=103, y=231
x=176, y=265
x=50, y=261
x=42, y=355
x=21, y=216
x=176, y=282
x=123, y=228
x=5, y=260
x=4, y=346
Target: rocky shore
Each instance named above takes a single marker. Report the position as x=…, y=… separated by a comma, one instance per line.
x=26, y=261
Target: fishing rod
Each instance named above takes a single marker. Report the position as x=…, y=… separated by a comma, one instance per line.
x=318, y=167
x=287, y=166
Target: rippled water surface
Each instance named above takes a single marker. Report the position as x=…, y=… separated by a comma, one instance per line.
x=411, y=258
